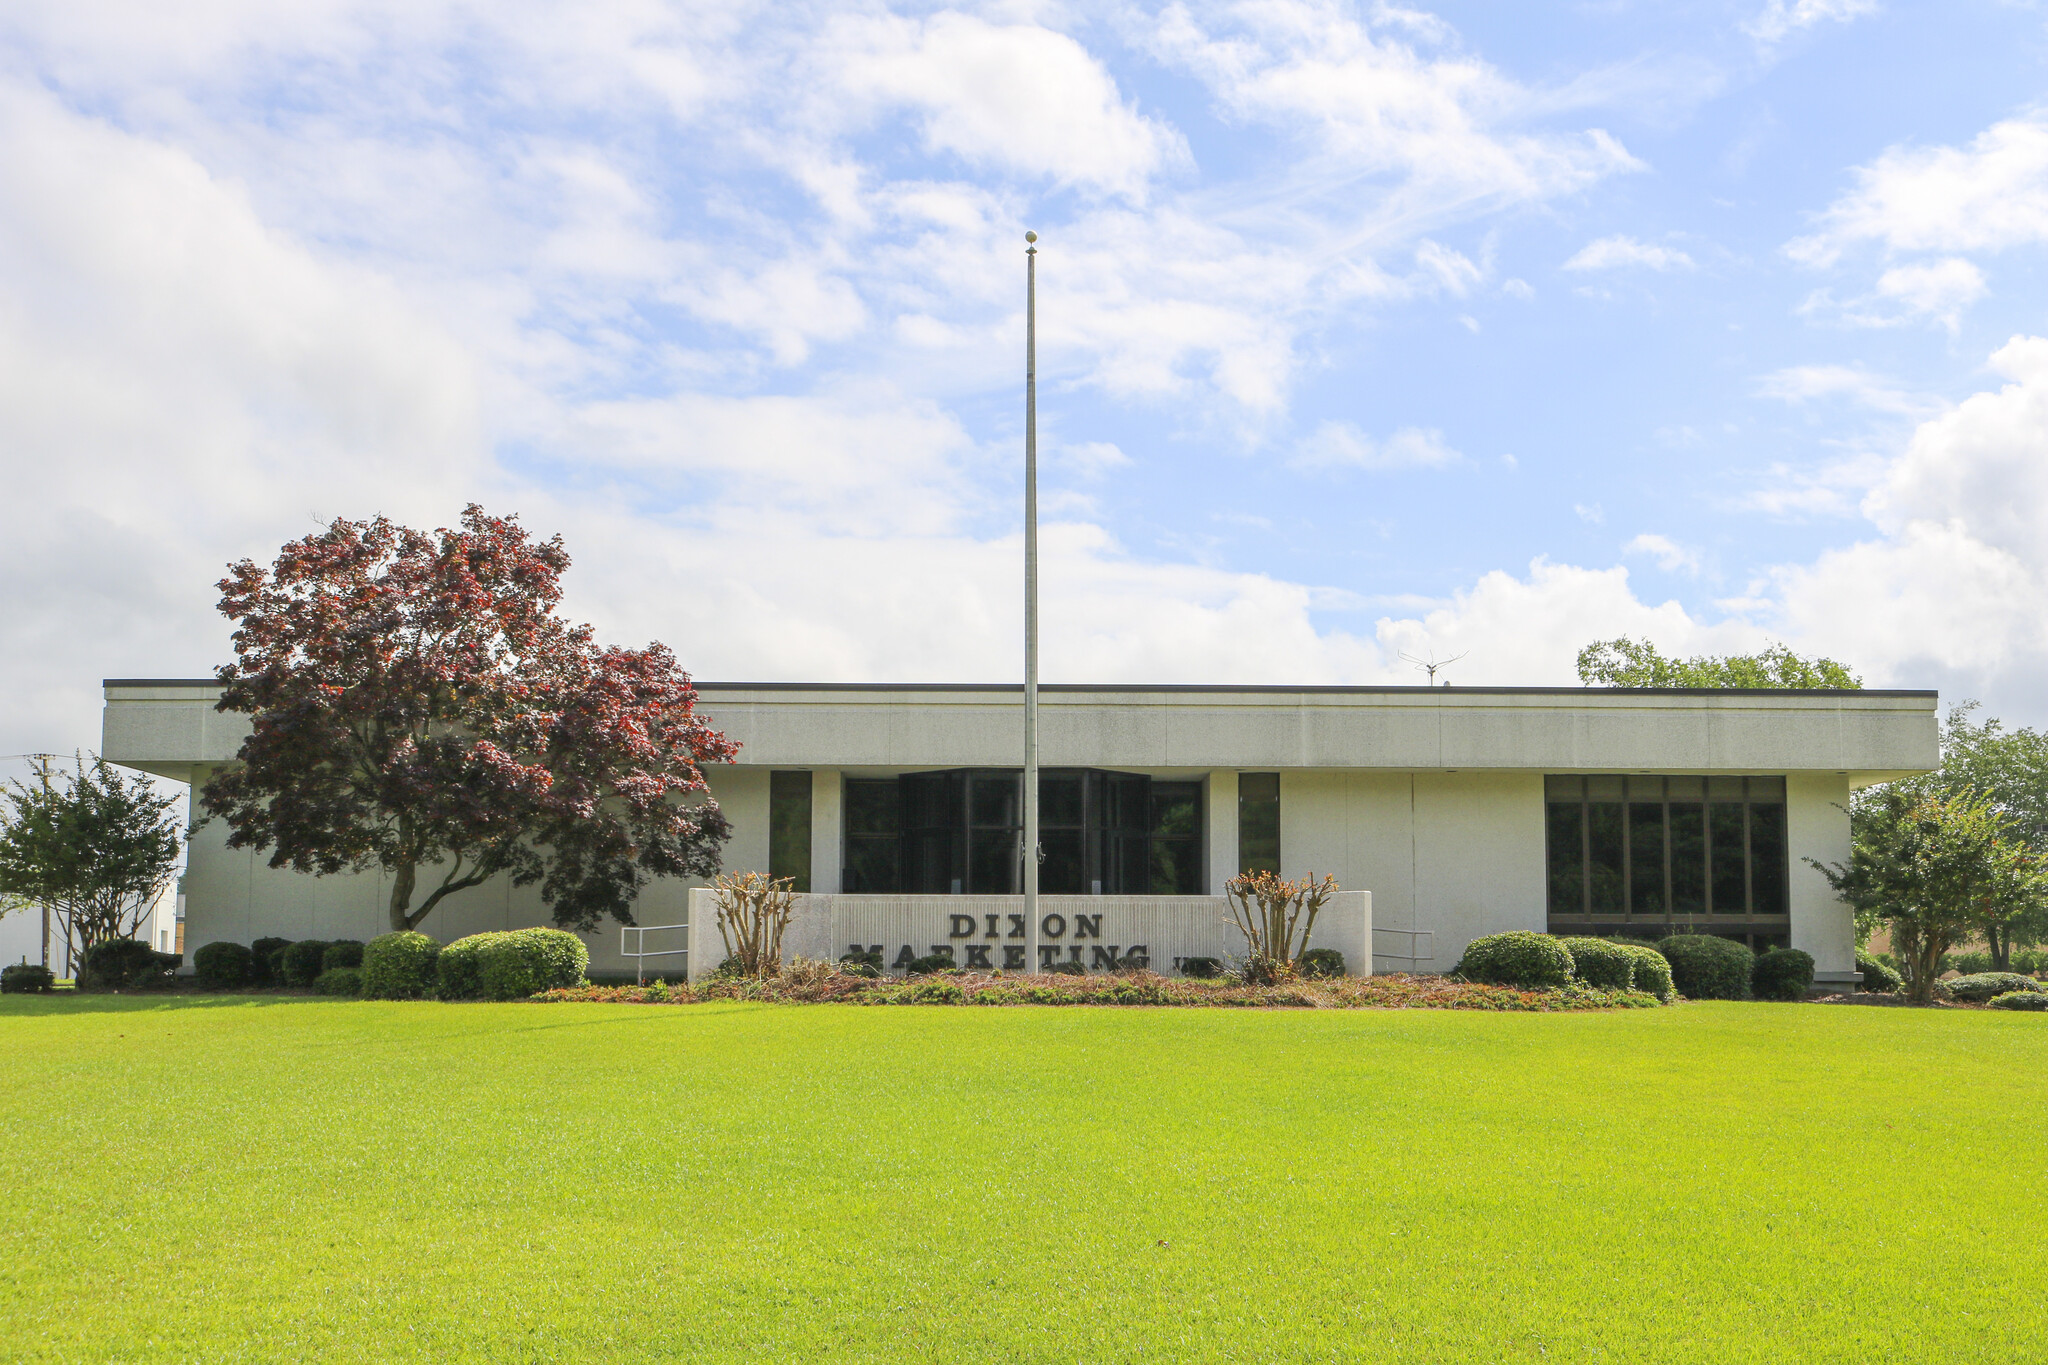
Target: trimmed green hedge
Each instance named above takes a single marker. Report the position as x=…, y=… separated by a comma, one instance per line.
x=1878, y=979
x=1707, y=968
x=1781, y=974
x=1321, y=963
x=399, y=966
x=222, y=966
x=126, y=964
x=1981, y=987
x=1518, y=958
x=2019, y=1000
x=300, y=963
x=1601, y=964
x=26, y=978
x=262, y=961
x=339, y=981
x=510, y=965
x=1652, y=971
x=342, y=952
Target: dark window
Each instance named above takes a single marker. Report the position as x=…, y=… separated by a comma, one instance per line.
x=1176, y=835
x=1688, y=858
x=1646, y=859
x=789, y=828
x=1566, y=838
x=1726, y=858
x=873, y=833
x=1258, y=822
x=1603, y=856
x=1767, y=859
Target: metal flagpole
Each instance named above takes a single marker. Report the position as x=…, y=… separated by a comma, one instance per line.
x=1032, y=852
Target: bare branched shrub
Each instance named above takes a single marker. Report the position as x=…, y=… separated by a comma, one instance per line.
x=753, y=910
x=1275, y=916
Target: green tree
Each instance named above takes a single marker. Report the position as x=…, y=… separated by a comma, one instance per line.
x=1936, y=868
x=1622, y=662
x=2010, y=768
x=96, y=846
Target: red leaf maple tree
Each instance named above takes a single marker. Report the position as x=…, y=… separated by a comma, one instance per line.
x=419, y=707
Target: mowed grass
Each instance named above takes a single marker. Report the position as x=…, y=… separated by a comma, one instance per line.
x=216, y=1180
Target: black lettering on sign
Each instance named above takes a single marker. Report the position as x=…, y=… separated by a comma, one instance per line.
x=1104, y=958
x=1139, y=958
x=1076, y=950
x=992, y=920
x=1048, y=953
x=1045, y=926
x=1013, y=957
x=1087, y=926
x=954, y=929
x=977, y=955
x=904, y=958
x=1016, y=926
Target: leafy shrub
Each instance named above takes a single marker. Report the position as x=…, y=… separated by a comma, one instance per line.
x=931, y=992
x=1061, y=969
x=523, y=962
x=301, y=962
x=862, y=957
x=455, y=969
x=2019, y=1000
x=1781, y=974
x=26, y=978
x=2033, y=961
x=1201, y=968
x=125, y=964
x=929, y=965
x=1983, y=985
x=339, y=981
x=342, y=952
x=1969, y=964
x=1878, y=979
x=1652, y=974
x=399, y=966
x=1518, y=958
x=263, y=961
x=1707, y=968
x=1600, y=964
x=222, y=966
x=1321, y=963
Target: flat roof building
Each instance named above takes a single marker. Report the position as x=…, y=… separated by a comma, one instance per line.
x=1462, y=811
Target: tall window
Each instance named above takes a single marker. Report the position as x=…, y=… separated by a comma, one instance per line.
x=963, y=831
x=1258, y=822
x=1637, y=854
x=789, y=827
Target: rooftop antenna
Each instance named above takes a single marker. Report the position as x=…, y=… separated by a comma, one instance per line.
x=1032, y=852
x=1432, y=664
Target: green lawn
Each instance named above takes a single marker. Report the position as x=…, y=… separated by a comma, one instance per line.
x=278, y=1179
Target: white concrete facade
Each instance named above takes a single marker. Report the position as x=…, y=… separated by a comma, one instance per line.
x=1430, y=799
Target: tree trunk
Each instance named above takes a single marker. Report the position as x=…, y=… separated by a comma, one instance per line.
x=401, y=895
x=2001, y=949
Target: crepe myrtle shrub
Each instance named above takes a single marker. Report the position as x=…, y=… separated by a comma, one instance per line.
x=222, y=966
x=417, y=706
x=399, y=966
x=339, y=981
x=1652, y=973
x=1276, y=917
x=1981, y=986
x=1781, y=974
x=1322, y=963
x=342, y=952
x=753, y=912
x=301, y=962
x=1601, y=964
x=2019, y=1000
x=523, y=962
x=1704, y=967
x=1517, y=958
x=26, y=978
x=1878, y=979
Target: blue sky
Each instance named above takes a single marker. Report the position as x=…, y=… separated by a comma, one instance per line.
x=1473, y=329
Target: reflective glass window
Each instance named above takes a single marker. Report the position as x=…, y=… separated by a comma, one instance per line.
x=1604, y=867
x=1258, y=822
x=1727, y=859
x=789, y=828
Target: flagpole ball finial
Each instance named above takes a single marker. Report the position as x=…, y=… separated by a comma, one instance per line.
x=1030, y=236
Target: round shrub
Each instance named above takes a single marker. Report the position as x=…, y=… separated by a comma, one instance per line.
x=523, y=962
x=399, y=966
x=928, y=965
x=1652, y=972
x=125, y=964
x=301, y=962
x=339, y=981
x=1601, y=964
x=1707, y=968
x=1878, y=979
x=26, y=978
x=342, y=952
x=1981, y=987
x=222, y=966
x=1201, y=968
x=1321, y=963
x=1518, y=958
x=2019, y=1000
x=1781, y=974
x=455, y=970
x=263, y=958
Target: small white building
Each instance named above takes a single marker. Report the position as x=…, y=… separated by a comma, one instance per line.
x=1462, y=811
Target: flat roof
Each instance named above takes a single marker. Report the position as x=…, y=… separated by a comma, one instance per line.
x=1337, y=689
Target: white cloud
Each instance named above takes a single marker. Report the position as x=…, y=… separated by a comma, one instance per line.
x=1669, y=554
x=1940, y=290
x=1990, y=195
x=1621, y=252
x=1780, y=19
x=1807, y=383
x=1589, y=512
x=1457, y=274
x=1340, y=445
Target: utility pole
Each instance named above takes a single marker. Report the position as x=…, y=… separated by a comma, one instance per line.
x=1032, y=852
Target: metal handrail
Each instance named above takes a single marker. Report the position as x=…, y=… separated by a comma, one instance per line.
x=1411, y=956
x=640, y=958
